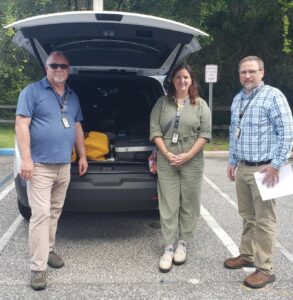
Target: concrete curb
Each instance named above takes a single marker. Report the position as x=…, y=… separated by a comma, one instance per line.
x=6, y=151
x=218, y=154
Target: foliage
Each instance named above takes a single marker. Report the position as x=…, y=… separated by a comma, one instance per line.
x=11, y=65
x=287, y=8
x=241, y=28
x=236, y=29
x=7, y=136
x=218, y=143
x=17, y=69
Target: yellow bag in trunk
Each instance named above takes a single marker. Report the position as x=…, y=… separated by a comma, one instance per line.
x=96, y=145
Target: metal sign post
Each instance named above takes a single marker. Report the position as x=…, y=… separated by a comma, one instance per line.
x=98, y=5
x=211, y=75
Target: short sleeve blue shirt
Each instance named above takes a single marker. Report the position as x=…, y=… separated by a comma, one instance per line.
x=50, y=141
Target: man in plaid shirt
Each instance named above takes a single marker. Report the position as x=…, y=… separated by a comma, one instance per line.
x=261, y=135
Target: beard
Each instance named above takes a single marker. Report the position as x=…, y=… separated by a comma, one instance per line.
x=59, y=78
x=249, y=85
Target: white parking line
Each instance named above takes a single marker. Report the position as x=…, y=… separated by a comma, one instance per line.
x=224, y=195
x=220, y=232
x=6, y=191
x=223, y=236
x=282, y=249
x=10, y=232
x=6, y=179
x=12, y=229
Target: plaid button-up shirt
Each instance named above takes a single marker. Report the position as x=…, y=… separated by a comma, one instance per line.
x=266, y=127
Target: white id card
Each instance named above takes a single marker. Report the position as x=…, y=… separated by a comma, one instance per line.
x=237, y=132
x=175, y=138
x=65, y=122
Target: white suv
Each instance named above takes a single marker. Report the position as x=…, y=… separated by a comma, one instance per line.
x=117, y=62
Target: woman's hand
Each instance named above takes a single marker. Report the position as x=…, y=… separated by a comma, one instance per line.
x=180, y=159
x=171, y=157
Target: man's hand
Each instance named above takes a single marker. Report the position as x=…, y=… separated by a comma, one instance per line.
x=231, y=171
x=26, y=168
x=271, y=177
x=82, y=166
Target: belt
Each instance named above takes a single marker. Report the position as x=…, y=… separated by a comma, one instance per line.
x=255, y=164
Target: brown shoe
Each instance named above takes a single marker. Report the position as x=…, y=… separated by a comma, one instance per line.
x=237, y=263
x=258, y=279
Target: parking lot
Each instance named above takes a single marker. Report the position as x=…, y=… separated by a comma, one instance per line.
x=115, y=256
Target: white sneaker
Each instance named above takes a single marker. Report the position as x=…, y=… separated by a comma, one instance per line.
x=180, y=253
x=166, y=260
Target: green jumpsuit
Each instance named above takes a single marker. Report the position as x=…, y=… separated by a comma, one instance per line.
x=179, y=189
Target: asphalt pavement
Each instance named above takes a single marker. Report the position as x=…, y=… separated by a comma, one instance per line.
x=115, y=256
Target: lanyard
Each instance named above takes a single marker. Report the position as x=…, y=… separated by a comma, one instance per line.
x=241, y=114
x=62, y=101
x=179, y=110
x=254, y=93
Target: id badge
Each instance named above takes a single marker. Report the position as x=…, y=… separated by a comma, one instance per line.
x=65, y=122
x=237, y=132
x=175, y=138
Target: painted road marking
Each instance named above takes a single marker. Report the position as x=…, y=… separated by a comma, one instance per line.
x=10, y=232
x=281, y=248
x=6, y=191
x=220, y=232
x=5, y=179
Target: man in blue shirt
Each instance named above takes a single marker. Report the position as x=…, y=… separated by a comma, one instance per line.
x=261, y=135
x=47, y=127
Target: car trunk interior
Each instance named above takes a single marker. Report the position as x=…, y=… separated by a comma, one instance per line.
x=118, y=105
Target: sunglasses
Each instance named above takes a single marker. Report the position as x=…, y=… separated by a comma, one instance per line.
x=56, y=66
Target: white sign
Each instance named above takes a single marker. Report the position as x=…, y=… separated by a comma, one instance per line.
x=211, y=74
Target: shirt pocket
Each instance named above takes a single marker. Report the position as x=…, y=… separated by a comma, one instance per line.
x=255, y=119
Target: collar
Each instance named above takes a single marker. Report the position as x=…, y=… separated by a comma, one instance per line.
x=47, y=85
x=186, y=100
x=253, y=93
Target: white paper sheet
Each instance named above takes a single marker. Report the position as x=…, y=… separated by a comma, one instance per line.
x=283, y=188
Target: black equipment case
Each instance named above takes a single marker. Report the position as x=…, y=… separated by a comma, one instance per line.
x=133, y=148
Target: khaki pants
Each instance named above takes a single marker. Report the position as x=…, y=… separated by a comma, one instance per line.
x=46, y=193
x=259, y=221
x=179, y=191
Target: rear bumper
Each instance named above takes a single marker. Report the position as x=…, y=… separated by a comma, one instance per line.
x=105, y=192
x=112, y=192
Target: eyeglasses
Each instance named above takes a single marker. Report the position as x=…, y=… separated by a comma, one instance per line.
x=250, y=72
x=56, y=66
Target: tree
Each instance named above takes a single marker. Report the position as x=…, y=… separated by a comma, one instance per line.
x=12, y=61
x=236, y=28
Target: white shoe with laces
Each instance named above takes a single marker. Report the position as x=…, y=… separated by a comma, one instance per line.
x=166, y=260
x=180, y=253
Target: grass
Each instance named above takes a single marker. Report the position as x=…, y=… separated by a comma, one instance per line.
x=218, y=143
x=7, y=135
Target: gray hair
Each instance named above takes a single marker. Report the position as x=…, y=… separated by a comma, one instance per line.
x=252, y=58
x=56, y=53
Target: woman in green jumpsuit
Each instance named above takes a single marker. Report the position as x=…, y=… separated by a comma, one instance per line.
x=180, y=126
